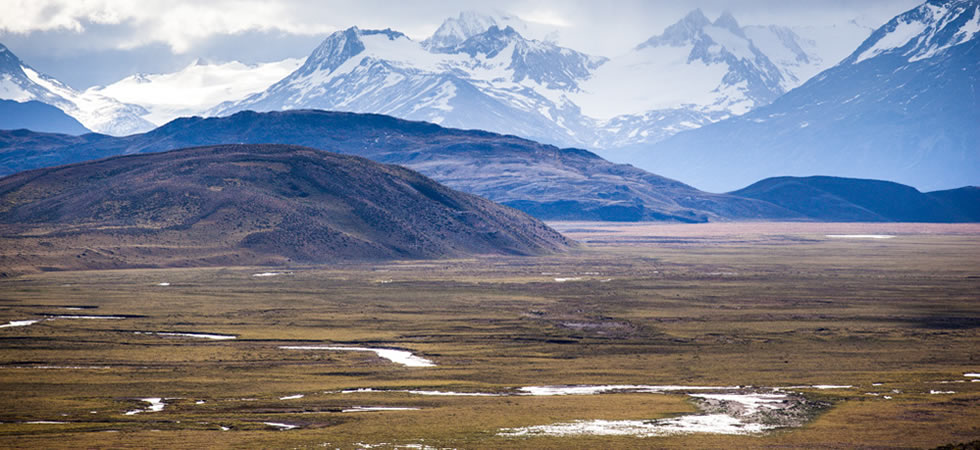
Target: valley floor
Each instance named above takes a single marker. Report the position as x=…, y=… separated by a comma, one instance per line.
x=871, y=332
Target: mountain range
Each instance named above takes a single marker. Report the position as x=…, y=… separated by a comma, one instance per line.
x=835, y=199
x=545, y=181
x=904, y=106
x=481, y=71
x=249, y=204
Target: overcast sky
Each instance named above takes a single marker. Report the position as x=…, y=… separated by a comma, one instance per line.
x=88, y=42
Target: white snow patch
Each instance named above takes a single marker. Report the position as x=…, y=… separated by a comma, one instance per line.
x=600, y=389
x=935, y=392
x=402, y=357
x=669, y=81
x=562, y=280
x=710, y=423
x=10, y=90
x=751, y=402
x=89, y=317
x=897, y=38
x=831, y=386
x=156, y=405
x=196, y=87
x=163, y=284
x=453, y=394
x=45, y=422
x=736, y=45
x=267, y=274
x=379, y=408
x=217, y=337
x=292, y=397
x=283, y=426
x=20, y=323
x=972, y=375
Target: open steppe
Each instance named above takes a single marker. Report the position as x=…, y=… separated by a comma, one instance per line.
x=877, y=333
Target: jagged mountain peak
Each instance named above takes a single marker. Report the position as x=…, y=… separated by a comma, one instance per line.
x=341, y=46
x=489, y=42
x=456, y=30
x=546, y=63
x=923, y=32
x=727, y=21
x=681, y=32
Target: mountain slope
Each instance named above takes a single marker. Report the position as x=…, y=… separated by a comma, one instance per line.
x=903, y=107
x=965, y=201
x=194, y=88
x=254, y=203
x=37, y=116
x=546, y=181
x=20, y=82
x=836, y=199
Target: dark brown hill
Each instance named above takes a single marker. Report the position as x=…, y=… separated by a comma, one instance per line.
x=249, y=204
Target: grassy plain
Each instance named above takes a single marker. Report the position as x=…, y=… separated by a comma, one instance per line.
x=716, y=305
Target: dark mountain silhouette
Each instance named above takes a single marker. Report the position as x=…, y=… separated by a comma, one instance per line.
x=543, y=180
x=837, y=199
x=37, y=116
x=251, y=204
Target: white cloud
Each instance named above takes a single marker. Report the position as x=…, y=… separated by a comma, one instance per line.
x=179, y=24
x=593, y=27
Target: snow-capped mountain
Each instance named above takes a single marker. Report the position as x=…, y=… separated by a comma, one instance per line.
x=474, y=72
x=20, y=82
x=496, y=80
x=694, y=64
x=195, y=88
x=695, y=72
x=902, y=107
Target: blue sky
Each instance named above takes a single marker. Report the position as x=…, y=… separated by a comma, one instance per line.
x=88, y=42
